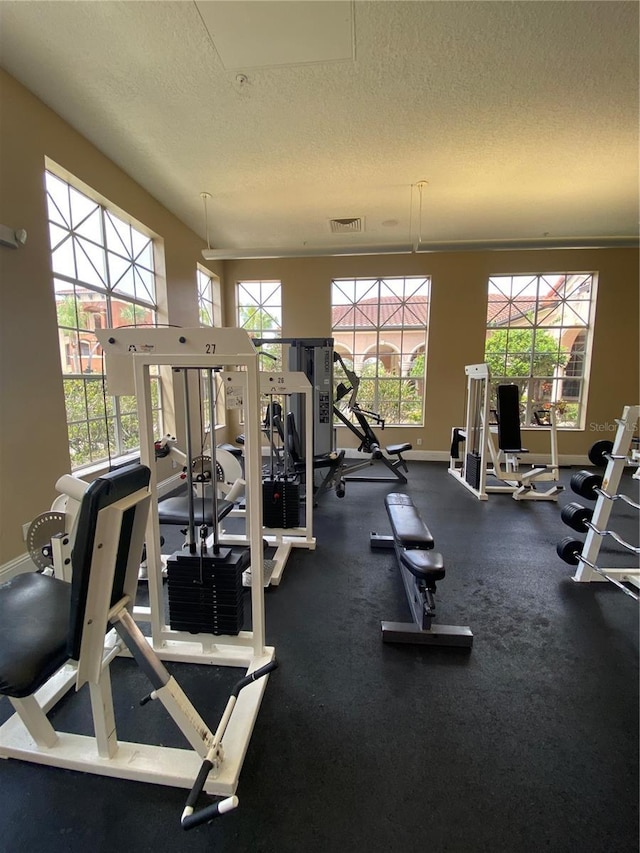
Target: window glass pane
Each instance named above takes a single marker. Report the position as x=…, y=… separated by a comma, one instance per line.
x=379, y=327
x=87, y=280
x=531, y=332
x=58, y=200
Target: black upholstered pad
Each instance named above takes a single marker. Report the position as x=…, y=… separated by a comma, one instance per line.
x=176, y=511
x=425, y=565
x=34, y=624
x=409, y=530
x=394, y=449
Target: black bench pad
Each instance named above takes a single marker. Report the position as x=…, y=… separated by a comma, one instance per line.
x=408, y=528
x=397, y=449
x=424, y=565
x=176, y=510
x=34, y=625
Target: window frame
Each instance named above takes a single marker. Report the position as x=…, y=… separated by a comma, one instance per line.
x=94, y=235
x=379, y=337
x=553, y=292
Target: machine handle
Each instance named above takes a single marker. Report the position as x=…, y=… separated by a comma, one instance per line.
x=191, y=818
x=254, y=676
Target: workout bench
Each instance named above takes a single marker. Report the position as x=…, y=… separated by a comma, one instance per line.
x=420, y=568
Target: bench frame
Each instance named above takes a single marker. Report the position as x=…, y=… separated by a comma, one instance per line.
x=420, y=596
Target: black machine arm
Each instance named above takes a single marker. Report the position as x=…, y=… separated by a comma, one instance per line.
x=190, y=817
x=368, y=440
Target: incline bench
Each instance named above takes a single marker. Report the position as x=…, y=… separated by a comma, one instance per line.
x=420, y=568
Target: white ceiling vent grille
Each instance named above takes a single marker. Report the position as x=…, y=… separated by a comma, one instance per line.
x=345, y=226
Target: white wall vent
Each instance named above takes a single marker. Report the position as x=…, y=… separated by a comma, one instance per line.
x=345, y=226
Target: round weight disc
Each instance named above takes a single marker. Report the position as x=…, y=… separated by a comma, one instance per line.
x=569, y=550
x=597, y=453
x=39, y=534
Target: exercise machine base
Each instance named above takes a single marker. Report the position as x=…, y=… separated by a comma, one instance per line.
x=437, y=635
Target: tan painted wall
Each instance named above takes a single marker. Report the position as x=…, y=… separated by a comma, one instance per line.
x=457, y=326
x=33, y=438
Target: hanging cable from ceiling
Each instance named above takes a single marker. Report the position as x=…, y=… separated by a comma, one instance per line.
x=204, y=196
x=420, y=187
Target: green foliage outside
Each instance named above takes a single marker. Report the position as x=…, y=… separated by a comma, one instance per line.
x=398, y=400
x=100, y=437
x=510, y=355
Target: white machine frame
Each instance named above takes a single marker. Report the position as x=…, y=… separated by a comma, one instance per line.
x=129, y=355
x=478, y=432
x=587, y=570
x=28, y=735
x=284, y=539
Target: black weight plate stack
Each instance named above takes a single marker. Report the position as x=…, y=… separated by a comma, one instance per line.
x=598, y=451
x=569, y=550
x=280, y=504
x=584, y=483
x=472, y=470
x=575, y=515
x=206, y=592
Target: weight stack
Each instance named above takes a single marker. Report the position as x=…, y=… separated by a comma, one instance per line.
x=206, y=593
x=280, y=503
x=472, y=469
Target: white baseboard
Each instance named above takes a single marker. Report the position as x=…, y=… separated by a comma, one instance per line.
x=17, y=566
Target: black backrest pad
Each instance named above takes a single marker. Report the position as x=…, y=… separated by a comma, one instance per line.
x=103, y=492
x=293, y=439
x=409, y=530
x=509, y=417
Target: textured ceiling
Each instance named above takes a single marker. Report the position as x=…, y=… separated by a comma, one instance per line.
x=521, y=116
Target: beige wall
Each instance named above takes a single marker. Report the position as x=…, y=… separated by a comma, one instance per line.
x=33, y=438
x=457, y=326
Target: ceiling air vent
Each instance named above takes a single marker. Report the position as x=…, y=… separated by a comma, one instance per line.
x=345, y=226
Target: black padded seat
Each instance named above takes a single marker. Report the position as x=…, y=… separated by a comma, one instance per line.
x=397, y=449
x=176, y=510
x=424, y=565
x=321, y=460
x=409, y=530
x=34, y=627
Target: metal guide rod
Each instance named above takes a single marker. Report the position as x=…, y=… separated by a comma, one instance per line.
x=214, y=464
x=187, y=420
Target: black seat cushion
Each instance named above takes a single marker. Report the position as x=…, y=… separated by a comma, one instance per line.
x=397, y=449
x=34, y=625
x=424, y=565
x=408, y=528
x=176, y=510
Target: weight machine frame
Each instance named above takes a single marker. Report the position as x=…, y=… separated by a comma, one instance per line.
x=477, y=436
x=284, y=539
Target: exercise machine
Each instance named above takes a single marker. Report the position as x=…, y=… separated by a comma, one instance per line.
x=130, y=354
x=55, y=634
x=287, y=514
x=390, y=456
x=482, y=458
x=603, y=488
x=420, y=568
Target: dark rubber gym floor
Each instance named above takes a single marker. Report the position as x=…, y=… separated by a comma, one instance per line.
x=527, y=743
